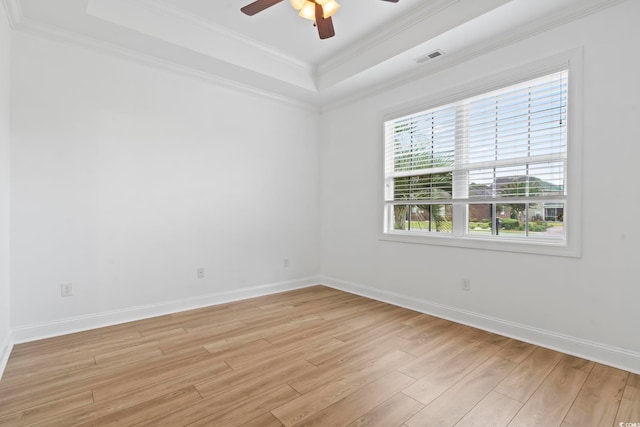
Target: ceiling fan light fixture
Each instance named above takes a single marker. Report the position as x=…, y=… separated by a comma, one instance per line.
x=329, y=7
x=297, y=4
x=308, y=10
x=318, y=11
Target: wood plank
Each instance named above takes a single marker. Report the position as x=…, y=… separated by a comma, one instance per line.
x=356, y=358
x=314, y=401
x=495, y=410
x=66, y=342
x=177, y=380
x=529, y=374
x=231, y=410
x=140, y=350
x=516, y=351
x=577, y=363
x=599, y=399
x=301, y=349
x=634, y=380
x=353, y=406
x=452, y=405
x=251, y=381
x=142, y=411
x=357, y=350
x=448, y=371
x=48, y=409
x=16, y=378
x=629, y=410
x=197, y=338
x=441, y=348
x=265, y=420
x=307, y=382
x=392, y=412
x=550, y=403
x=130, y=381
x=106, y=413
x=436, y=330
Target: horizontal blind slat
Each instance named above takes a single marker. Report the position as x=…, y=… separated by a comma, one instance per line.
x=512, y=142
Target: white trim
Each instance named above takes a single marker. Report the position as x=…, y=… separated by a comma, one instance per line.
x=609, y=355
x=418, y=15
x=315, y=101
x=14, y=12
x=70, y=325
x=5, y=351
x=219, y=29
x=451, y=60
x=428, y=10
x=571, y=247
x=55, y=34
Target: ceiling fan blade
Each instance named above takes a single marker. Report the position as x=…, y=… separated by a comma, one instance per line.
x=392, y=1
x=325, y=26
x=258, y=6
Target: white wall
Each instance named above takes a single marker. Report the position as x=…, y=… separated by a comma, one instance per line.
x=126, y=178
x=5, y=120
x=594, y=299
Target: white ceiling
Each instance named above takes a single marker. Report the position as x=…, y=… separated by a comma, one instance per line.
x=279, y=53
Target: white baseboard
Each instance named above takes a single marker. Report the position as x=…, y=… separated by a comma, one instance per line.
x=602, y=353
x=5, y=351
x=608, y=355
x=38, y=331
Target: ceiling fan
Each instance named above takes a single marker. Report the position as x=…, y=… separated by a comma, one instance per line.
x=319, y=11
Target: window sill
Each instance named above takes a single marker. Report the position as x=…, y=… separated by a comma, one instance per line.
x=473, y=242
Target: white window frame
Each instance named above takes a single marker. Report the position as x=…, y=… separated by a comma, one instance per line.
x=571, y=245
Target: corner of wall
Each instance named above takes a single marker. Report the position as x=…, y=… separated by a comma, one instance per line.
x=6, y=346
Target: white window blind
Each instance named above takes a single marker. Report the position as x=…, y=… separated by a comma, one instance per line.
x=503, y=148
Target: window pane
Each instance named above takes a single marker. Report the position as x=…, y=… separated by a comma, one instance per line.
x=534, y=180
x=425, y=140
x=547, y=179
x=423, y=187
x=513, y=222
x=546, y=221
x=538, y=221
x=480, y=219
x=423, y=218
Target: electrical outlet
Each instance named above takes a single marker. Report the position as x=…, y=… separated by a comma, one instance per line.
x=201, y=273
x=466, y=284
x=285, y=262
x=66, y=290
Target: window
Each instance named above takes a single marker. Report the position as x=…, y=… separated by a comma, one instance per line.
x=491, y=167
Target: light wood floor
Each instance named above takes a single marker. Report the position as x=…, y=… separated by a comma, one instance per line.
x=313, y=357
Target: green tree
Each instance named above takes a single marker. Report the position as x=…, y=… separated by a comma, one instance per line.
x=414, y=150
x=436, y=186
x=520, y=188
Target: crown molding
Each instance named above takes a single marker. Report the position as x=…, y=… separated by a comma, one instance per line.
x=397, y=26
x=14, y=12
x=218, y=29
x=315, y=101
x=197, y=36
x=52, y=33
x=521, y=33
x=414, y=31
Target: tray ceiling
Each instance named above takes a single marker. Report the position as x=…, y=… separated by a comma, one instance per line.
x=277, y=52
